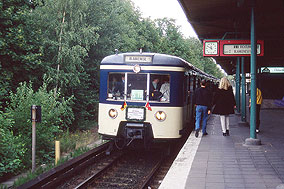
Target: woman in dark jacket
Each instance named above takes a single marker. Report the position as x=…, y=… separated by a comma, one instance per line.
x=224, y=104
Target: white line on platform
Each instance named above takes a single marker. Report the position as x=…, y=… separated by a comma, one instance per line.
x=178, y=173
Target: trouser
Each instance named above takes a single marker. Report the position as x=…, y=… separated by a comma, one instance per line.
x=201, y=116
x=224, y=122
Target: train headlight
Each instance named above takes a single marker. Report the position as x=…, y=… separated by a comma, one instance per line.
x=112, y=113
x=160, y=115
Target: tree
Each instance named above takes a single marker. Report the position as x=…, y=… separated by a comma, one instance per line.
x=67, y=39
x=19, y=46
x=11, y=151
x=56, y=116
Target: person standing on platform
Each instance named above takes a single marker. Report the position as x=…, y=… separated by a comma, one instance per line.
x=258, y=106
x=202, y=99
x=224, y=104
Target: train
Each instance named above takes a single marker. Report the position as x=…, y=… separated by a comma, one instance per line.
x=146, y=97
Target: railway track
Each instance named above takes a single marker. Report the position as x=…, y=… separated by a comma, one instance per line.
x=60, y=174
x=121, y=169
x=132, y=170
x=94, y=169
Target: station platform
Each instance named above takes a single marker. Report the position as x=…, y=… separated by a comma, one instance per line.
x=216, y=161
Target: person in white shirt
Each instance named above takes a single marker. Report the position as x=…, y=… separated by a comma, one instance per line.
x=165, y=90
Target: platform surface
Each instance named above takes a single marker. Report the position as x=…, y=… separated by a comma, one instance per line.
x=218, y=162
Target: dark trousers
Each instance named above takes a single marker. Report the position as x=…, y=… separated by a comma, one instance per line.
x=258, y=115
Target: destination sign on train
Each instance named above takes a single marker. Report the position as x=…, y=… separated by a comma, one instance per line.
x=138, y=59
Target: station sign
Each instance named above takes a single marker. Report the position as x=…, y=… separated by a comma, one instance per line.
x=231, y=47
x=272, y=69
x=240, y=48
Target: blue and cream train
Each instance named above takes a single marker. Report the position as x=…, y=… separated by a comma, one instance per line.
x=130, y=108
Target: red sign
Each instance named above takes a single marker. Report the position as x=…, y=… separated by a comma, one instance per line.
x=240, y=48
x=231, y=47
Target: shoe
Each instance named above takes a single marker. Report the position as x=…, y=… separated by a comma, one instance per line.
x=257, y=130
x=204, y=134
x=196, y=133
x=224, y=134
x=227, y=133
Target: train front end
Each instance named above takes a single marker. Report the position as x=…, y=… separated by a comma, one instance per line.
x=141, y=98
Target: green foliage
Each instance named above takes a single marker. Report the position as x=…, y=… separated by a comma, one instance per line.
x=67, y=143
x=56, y=116
x=67, y=39
x=190, y=49
x=19, y=45
x=71, y=141
x=11, y=148
x=79, y=151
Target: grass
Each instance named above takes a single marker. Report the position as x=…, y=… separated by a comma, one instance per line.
x=71, y=141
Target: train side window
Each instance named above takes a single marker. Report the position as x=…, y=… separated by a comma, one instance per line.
x=159, y=87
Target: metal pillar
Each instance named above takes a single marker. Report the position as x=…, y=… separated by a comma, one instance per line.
x=238, y=84
x=253, y=140
x=253, y=78
x=243, y=114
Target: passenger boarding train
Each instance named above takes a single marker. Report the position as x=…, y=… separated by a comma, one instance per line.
x=146, y=97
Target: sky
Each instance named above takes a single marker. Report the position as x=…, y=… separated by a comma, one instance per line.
x=165, y=8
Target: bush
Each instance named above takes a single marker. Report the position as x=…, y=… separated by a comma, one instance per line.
x=11, y=151
x=56, y=115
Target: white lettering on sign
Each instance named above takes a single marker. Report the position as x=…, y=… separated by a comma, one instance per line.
x=239, y=49
x=136, y=59
x=272, y=69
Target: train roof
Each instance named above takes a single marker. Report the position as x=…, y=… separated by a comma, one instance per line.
x=157, y=59
x=154, y=59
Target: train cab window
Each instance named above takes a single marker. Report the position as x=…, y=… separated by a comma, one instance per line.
x=159, y=87
x=116, y=83
x=136, y=87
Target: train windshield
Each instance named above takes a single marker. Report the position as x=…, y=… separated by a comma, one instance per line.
x=139, y=87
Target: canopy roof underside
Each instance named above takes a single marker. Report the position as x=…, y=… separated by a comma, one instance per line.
x=230, y=19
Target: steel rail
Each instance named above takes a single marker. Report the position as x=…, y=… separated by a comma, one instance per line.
x=97, y=173
x=153, y=171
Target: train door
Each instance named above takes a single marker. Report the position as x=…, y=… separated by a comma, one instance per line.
x=191, y=93
x=194, y=83
x=194, y=87
x=186, y=97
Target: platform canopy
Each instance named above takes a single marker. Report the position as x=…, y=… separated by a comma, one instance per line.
x=230, y=19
